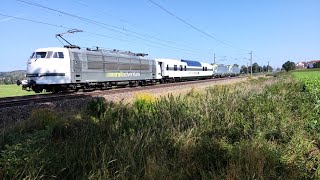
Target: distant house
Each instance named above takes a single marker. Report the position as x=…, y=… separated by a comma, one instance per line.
x=301, y=65
x=304, y=65
x=311, y=64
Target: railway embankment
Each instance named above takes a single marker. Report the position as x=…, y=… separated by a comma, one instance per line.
x=11, y=115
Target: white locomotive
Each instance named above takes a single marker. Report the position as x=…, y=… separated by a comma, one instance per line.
x=233, y=70
x=72, y=68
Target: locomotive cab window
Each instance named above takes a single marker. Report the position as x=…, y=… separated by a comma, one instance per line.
x=37, y=55
x=175, y=67
x=61, y=55
x=180, y=67
x=49, y=54
x=58, y=55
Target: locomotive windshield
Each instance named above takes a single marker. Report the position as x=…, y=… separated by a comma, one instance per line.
x=37, y=55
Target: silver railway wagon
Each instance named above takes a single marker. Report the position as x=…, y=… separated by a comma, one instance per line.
x=173, y=69
x=220, y=70
x=234, y=70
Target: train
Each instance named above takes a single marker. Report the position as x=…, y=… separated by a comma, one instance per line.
x=59, y=69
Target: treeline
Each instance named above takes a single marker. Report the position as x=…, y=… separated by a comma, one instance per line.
x=256, y=68
x=11, y=77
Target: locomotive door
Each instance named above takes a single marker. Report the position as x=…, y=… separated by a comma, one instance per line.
x=161, y=68
x=77, y=66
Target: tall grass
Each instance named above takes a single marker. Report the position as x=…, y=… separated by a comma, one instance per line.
x=254, y=130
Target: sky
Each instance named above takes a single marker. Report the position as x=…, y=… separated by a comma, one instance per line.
x=275, y=31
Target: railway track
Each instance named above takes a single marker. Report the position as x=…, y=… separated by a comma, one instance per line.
x=43, y=98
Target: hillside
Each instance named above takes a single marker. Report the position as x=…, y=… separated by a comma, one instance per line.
x=12, y=76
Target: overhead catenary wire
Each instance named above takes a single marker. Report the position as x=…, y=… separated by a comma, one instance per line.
x=194, y=27
x=88, y=32
x=124, y=20
x=60, y=26
x=111, y=27
x=103, y=12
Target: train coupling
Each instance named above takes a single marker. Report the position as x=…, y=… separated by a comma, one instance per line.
x=23, y=82
x=26, y=84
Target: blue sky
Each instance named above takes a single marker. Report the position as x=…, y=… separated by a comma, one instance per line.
x=276, y=31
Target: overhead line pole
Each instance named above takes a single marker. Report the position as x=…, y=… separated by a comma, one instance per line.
x=251, y=64
x=214, y=58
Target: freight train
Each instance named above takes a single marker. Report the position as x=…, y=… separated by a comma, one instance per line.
x=60, y=69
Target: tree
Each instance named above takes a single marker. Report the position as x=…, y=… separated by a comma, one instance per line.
x=264, y=68
x=243, y=69
x=255, y=67
x=316, y=65
x=236, y=65
x=288, y=66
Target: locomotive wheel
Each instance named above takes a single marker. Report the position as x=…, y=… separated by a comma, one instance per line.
x=55, y=90
x=37, y=89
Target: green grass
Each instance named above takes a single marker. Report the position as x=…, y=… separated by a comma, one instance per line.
x=311, y=79
x=13, y=90
x=261, y=129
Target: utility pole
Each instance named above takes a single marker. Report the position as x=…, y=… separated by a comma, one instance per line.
x=251, y=63
x=247, y=69
x=268, y=67
x=214, y=58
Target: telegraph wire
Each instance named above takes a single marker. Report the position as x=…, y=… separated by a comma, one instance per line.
x=107, y=26
x=192, y=26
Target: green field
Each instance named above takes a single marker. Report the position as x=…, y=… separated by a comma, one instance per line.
x=13, y=90
x=311, y=80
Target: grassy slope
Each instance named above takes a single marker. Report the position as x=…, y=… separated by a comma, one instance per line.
x=265, y=129
x=13, y=90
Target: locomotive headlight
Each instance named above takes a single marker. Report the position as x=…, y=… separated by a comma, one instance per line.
x=29, y=61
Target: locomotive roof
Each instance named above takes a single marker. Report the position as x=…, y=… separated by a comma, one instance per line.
x=51, y=49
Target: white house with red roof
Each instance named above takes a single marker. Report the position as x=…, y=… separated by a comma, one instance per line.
x=304, y=65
